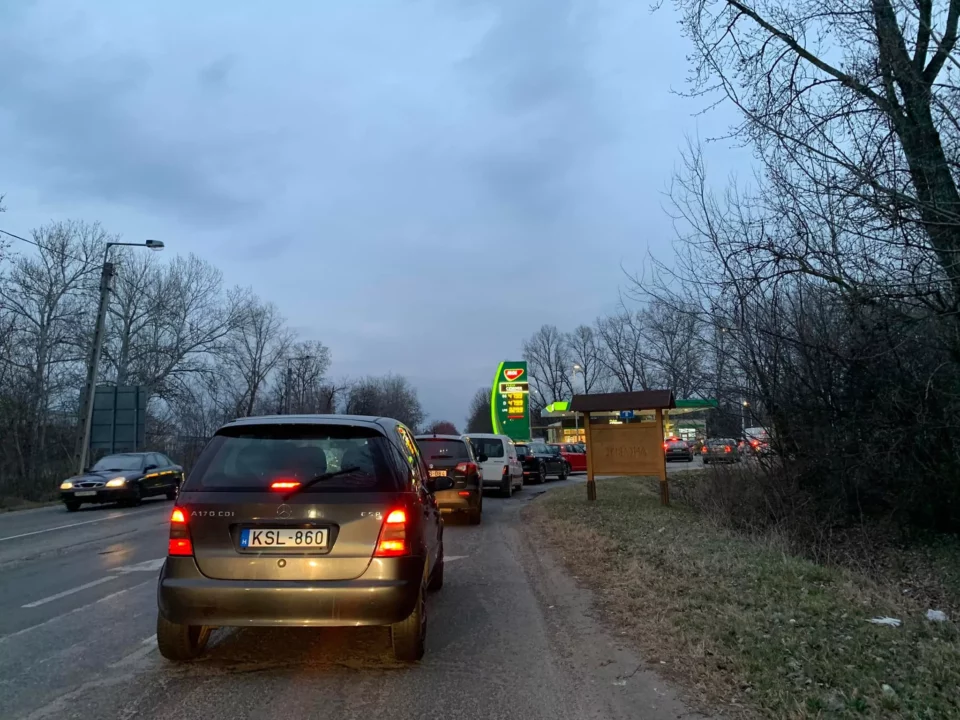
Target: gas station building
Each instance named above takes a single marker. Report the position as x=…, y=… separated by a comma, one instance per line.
x=687, y=421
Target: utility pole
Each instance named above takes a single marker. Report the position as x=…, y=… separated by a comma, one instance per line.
x=576, y=417
x=106, y=285
x=93, y=366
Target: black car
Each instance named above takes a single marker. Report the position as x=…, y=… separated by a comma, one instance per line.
x=453, y=457
x=540, y=460
x=677, y=450
x=303, y=521
x=126, y=478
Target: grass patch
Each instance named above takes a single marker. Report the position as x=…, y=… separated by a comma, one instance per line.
x=744, y=625
x=8, y=504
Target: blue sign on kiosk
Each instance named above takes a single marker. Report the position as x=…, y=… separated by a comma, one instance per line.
x=626, y=414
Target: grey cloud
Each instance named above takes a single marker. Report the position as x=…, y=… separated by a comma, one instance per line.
x=85, y=141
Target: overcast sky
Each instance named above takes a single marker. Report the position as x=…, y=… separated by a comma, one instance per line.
x=420, y=184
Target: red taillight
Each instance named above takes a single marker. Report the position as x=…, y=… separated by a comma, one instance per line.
x=754, y=443
x=467, y=467
x=180, y=547
x=393, y=536
x=285, y=485
x=703, y=450
x=464, y=493
x=179, y=544
x=726, y=448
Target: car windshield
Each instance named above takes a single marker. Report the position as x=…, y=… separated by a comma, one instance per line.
x=491, y=447
x=120, y=462
x=440, y=448
x=254, y=457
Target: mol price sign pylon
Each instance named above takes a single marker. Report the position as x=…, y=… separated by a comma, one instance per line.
x=510, y=400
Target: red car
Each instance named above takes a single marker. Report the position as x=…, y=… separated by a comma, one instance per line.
x=575, y=457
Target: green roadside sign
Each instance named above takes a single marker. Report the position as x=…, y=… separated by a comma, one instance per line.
x=510, y=400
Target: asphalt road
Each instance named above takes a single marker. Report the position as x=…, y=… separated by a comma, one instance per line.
x=509, y=636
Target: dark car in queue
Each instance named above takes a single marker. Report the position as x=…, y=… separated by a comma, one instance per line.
x=540, y=461
x=124, y=478
x=266, y=533
x=453, y=457
x=677, y=449
x=718, y=450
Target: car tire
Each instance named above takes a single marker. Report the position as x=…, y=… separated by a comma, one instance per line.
x=172, y=494
x=72, y=506
x=506, y=488
x=706, y=462
x=519, y=485
x=436, y=577
x=408, y=636
x=476, y=516
x=565, y=473
x=181, y=643
x=542, y=474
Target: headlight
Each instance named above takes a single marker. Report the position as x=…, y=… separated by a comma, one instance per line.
x=117, y=482
x=66, y=485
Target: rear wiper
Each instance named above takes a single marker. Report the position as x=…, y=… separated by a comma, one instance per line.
x=317, y=479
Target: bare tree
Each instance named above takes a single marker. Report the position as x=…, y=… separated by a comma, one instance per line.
x=622, y=350
x=586, y=352
x=479, y=419
x=673, y=342
x=549, y=364
x=253, y=349
x=442, y=427
x=388, y=396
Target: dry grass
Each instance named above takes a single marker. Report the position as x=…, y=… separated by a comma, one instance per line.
x=748, y=628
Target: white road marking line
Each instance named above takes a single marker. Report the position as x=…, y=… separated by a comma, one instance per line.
x=76, y=524
x=76, y=610
x=451, y=558
x=145, y=566
x=71, y=591
x=140, y=652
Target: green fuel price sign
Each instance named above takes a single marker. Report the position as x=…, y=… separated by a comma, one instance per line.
x=510, y=400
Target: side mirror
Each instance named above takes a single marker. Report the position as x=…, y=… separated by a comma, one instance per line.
x=442, y=483
x=148, y=468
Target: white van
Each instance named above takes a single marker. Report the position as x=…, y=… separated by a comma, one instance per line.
x=499, y=464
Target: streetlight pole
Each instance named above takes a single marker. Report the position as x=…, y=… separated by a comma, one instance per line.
x=90, y=389
x=576, y=418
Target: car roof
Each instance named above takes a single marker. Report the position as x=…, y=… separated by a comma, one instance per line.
x=369, y=421
x=144, y=452
x=431, y=436
x=488, y=435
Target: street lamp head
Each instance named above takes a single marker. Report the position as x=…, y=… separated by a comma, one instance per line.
x=154, y=244
x=576, y=366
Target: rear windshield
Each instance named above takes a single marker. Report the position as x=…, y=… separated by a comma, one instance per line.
x=677, y=444
x=439, y=448
x=253, y=457
x=523, y=451
x=491, y=447
x=721, y=441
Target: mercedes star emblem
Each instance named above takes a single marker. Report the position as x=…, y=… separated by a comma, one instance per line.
x=284, y=511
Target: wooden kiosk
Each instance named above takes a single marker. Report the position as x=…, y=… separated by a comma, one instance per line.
x=632, y=444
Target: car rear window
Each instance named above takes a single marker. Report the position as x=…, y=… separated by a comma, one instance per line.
x=439, y=448
x=523, y=451
x=677, y=444
x=491, y=447
x=252, y=457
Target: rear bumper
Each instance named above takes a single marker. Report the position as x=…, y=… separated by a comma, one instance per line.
x=385, y=594
x=453, y=501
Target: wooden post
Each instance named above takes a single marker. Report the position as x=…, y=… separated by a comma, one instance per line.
x=591, y=481
x=664, y=486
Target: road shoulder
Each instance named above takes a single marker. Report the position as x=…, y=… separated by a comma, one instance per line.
x=614, y=682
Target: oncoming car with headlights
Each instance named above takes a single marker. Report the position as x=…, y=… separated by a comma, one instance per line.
x=125, y=478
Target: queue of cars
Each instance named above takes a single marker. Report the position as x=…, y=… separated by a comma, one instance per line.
x=313, y=520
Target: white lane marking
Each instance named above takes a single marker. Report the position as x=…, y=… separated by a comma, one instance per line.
x=451, y=558
x=146, y=647
x=71, y=591
x=76, y=524
x=145, y=566
x=76, y=610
